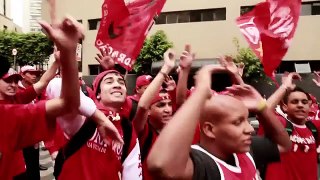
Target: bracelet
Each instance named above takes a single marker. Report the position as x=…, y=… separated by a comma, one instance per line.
x=262, y=105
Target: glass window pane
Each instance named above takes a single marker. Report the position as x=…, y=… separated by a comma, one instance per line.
x=195, y=16
x=219, y=14
x=184, y=17
x=207, y=15
x=306, y=10
x=161, y=19
x=172, y=18
x=316, y=9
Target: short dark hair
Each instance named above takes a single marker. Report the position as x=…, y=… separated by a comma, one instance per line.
x=296, y=89
x=4, y=66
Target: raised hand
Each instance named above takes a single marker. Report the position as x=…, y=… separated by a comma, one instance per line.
x=106, y=61
x=171, y=84
x=247, y=94
x=66, y=34
x=317, y=79
x=287, y=79
x=169, y=61
x=227, y=62
x=186, y=58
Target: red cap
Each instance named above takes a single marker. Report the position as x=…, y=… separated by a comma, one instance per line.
x=158, y=98
x=143, y=80
x=98, y=79
x=11, y=74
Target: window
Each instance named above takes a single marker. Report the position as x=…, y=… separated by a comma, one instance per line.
x=220, y=14
x=305, y=10
x=316, y=8
x=4, y=8
x=5, y=27
x=94, y=69
x=172, y=18
x=94, y=24
x=195, y=16
x=310, y=8
x=80, y=21
x=184, y=17
x=207, y=15
x=245, y=9
x=80, y=66
x=192, y=16
x=161, y=19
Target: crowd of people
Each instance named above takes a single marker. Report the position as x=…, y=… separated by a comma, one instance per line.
x=164, y=131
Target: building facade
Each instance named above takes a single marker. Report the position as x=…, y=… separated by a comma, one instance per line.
x=209, y=26
x=6, y=21
x=31, y=15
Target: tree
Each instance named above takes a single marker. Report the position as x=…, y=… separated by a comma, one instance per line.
x=253, y=71
x=33, y=48
x=152, y=51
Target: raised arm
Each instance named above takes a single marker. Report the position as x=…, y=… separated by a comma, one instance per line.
x=65, y=35
x=185, y=63
x=169, y=156
x=255, y=103
x=46, y=78
x=287, y=84
x=234, y=71
x=144, y=104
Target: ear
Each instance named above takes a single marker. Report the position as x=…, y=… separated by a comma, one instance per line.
x=285, y=107
x=209, y=129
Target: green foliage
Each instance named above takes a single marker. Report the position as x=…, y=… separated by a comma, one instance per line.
x=33, y=48
x=152, y=51
x=253, y=71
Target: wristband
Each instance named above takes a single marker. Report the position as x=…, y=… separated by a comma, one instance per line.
x=262, y=105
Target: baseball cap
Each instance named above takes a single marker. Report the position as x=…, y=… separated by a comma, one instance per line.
x=11, y=74
x=28, y=68
x=143, y=80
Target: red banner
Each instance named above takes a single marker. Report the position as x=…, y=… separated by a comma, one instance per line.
x=123, y=29
x=269, y=29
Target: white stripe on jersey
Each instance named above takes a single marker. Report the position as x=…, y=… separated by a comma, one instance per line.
x=132, y=168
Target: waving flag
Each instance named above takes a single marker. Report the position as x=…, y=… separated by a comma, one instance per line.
x=123, y=29
x=269, y=29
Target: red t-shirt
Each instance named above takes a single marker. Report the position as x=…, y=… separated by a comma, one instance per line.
x=97, y=160
x=18, y=130
x=23, y=96
x=301, y=161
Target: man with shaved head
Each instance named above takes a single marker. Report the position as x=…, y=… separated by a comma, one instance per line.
x=226, y=149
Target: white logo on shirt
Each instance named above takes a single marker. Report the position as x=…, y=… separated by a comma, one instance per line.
x=300, y=140
x=97, y=143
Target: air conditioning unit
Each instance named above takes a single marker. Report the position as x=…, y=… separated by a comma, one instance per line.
x=302, y=67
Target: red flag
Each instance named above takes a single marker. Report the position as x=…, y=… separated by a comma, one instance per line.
x=269, y=29
x=123, y=29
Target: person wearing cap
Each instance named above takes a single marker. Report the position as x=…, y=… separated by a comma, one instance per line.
x=142, y=83
x=154, y=110
x=105, y=159
x=24, y=125
x=31, y=154
x=30, y=75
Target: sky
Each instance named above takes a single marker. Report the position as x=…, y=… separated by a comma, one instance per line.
x=17, y=11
